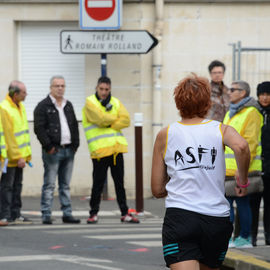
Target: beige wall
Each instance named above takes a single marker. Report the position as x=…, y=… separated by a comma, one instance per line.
x=194, y=35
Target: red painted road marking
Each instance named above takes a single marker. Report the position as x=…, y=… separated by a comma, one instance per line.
x=56, y=247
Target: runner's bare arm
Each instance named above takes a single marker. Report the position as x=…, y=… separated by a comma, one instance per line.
x=159, y=176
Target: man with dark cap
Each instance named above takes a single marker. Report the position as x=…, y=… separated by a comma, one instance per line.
x=263, y=93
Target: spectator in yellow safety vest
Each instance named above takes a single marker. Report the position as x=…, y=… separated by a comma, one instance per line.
x=3, y=159
x=245, y=117
x=103, y=118
x=15, y=127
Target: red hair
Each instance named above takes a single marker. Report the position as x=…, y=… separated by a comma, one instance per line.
x=192, y=96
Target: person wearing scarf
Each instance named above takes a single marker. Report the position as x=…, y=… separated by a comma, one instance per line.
x=244, y=115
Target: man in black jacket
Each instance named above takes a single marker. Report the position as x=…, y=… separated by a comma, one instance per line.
x=56, y=127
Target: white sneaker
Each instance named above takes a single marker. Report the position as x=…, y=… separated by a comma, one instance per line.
x=3, y=222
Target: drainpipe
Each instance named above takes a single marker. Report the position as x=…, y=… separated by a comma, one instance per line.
x=157, y=68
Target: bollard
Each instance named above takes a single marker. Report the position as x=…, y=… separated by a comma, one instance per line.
x=138, y=122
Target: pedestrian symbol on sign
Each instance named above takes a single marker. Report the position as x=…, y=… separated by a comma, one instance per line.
x=99, y=10
x=68, y=42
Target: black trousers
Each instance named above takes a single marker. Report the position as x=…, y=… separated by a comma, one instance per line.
x=10, y=193
x=100, y=168
x=255, y=200
x=266, y=201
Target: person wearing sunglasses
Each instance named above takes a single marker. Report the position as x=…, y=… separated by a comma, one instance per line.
x=245, y=117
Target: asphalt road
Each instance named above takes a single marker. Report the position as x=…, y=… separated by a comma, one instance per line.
x=109, y=245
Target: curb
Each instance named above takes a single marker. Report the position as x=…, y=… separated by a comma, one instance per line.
x=239, y=260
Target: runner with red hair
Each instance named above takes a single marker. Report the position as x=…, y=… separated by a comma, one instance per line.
x=192, y=96
x=188, y=168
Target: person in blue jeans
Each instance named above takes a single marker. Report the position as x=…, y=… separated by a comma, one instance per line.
x=59, y=163
x=244, y=213
x=245, y=117
x=56, y=127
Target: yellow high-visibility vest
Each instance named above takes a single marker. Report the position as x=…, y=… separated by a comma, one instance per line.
x=20, y=124
x=3, y=149
x=101, y=141
x=238, y=122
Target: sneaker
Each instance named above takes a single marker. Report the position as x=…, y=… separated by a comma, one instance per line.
x=241, y=242
x=92, y=219
x=128, y=218
x=22, y=220
x=3, y=222
x=231, y=243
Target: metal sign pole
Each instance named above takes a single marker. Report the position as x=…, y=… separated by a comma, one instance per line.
x=103, y=64
x=138, y=122
x=104, y=73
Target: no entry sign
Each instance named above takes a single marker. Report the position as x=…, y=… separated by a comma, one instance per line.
x=100, y=14
x=100, y=10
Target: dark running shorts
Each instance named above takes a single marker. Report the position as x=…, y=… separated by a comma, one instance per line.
x=187, y=235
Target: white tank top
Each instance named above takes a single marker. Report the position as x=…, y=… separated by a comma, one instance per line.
x=195, y=162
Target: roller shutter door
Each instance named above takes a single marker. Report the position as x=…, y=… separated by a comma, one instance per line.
x=40, y=59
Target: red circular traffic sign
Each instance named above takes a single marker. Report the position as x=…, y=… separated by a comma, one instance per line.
x=99, y=10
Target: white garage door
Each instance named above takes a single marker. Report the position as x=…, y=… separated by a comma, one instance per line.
x=40, y=59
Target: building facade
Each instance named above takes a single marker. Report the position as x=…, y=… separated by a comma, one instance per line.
x=191, y=34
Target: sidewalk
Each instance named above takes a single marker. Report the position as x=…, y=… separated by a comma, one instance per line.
x=257, y=258
x=80, y=207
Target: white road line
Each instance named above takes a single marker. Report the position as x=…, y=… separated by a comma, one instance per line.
x=146, y=243
x=84, y=261
x=91, y=262
x=125, y=236
x=108, y=225
x=48, y=257
x=108, y=230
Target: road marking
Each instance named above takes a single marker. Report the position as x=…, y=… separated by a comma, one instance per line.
x=108, y=230
x=48, y=257
x=91, y=262
x=108, y=225
x=146, y=243
x=125, y=236
x=248, y=259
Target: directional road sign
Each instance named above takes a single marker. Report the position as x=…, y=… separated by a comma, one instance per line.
x=100, y=14
x=106, y=42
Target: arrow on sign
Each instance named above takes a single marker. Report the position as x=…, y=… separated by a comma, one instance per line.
x=109, y=42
